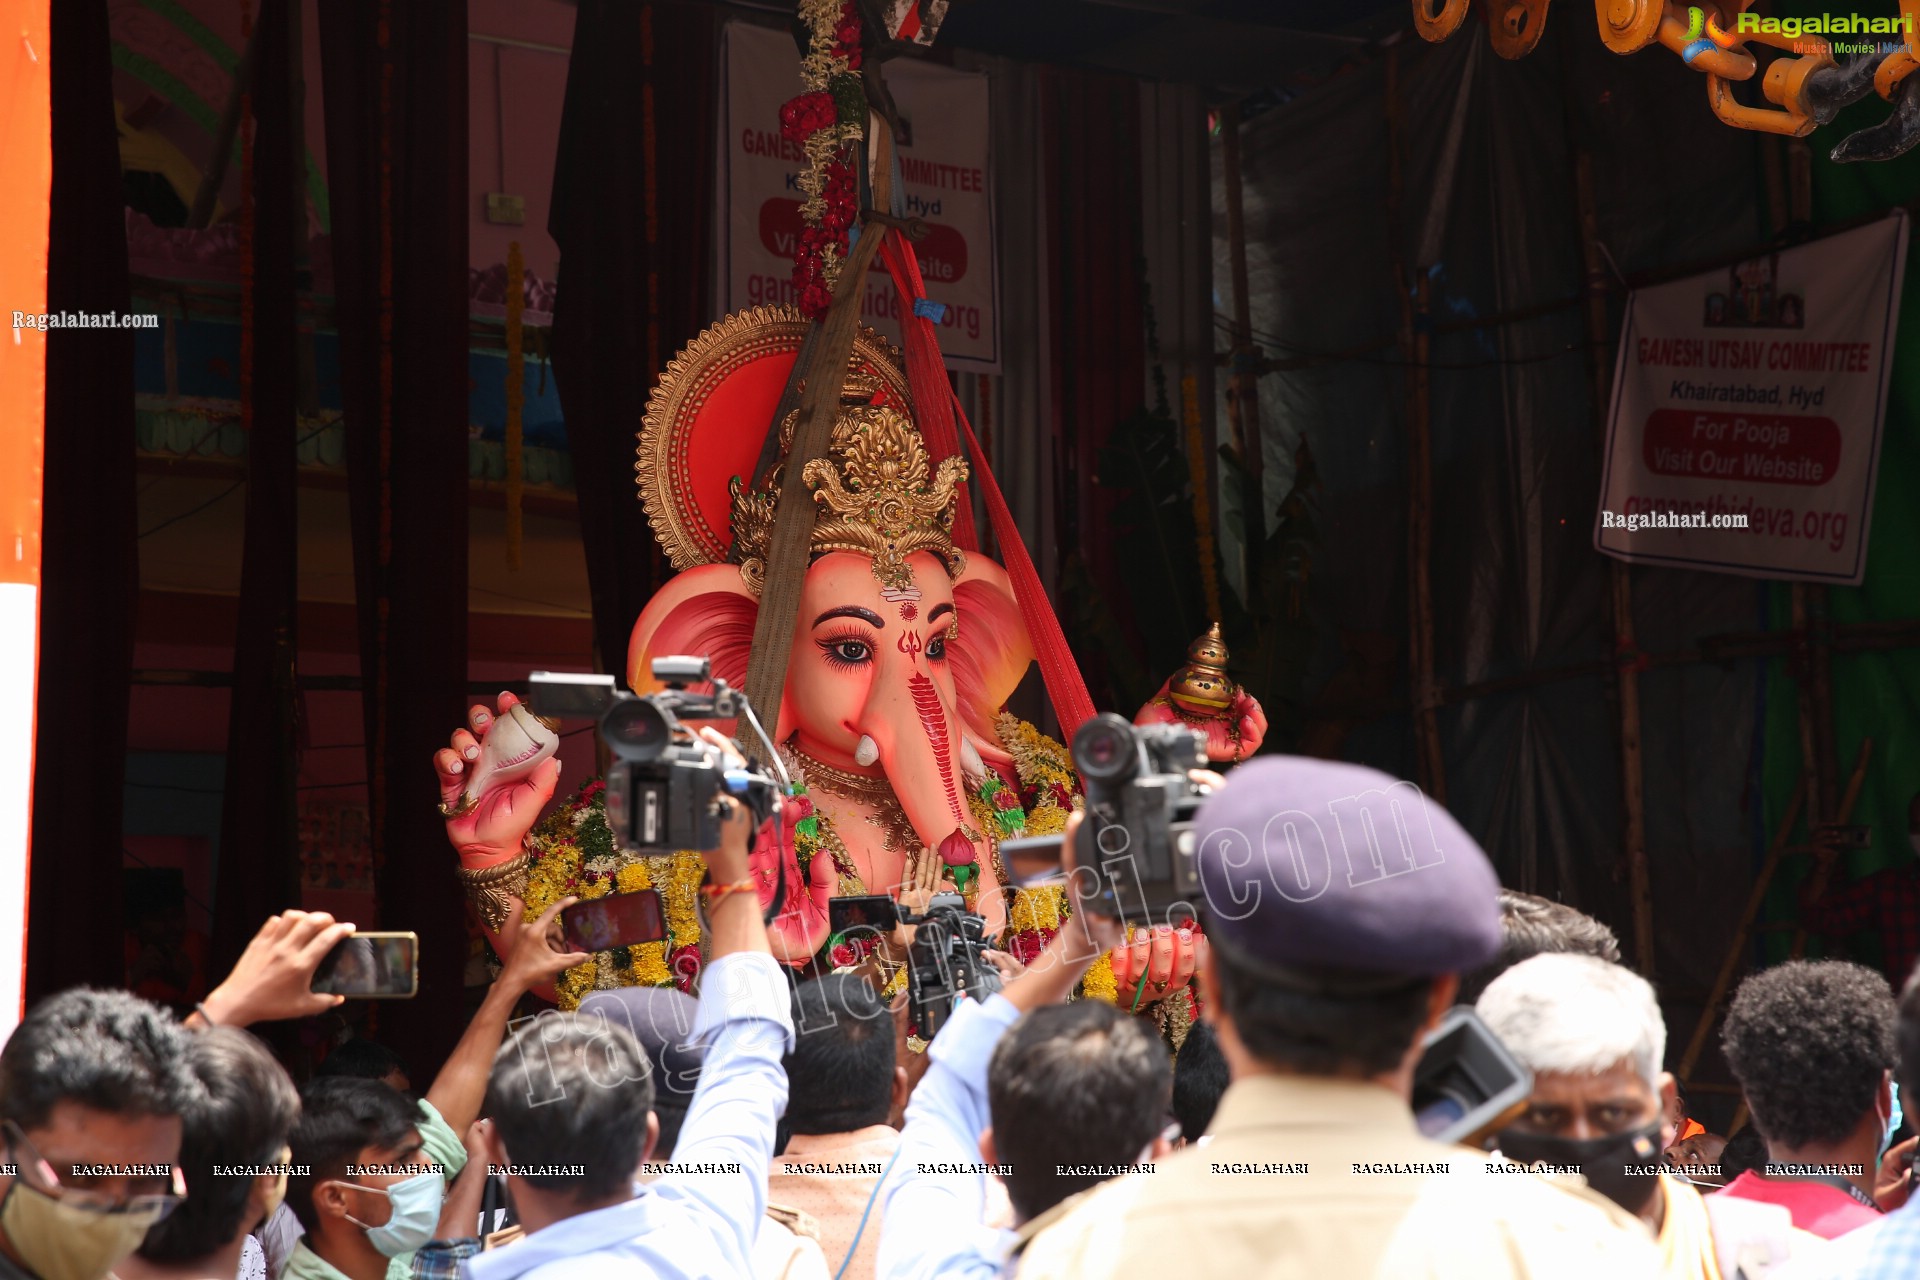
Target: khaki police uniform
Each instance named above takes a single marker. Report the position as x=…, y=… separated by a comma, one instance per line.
x=1312, y=1178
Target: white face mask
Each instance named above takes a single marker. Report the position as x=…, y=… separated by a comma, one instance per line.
x=415, y=1212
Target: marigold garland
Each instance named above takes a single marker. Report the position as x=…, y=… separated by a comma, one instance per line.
x=824, y=122
x=1099, y=983
x=1049, y=788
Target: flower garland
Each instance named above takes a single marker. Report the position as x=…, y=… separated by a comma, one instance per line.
x=823, y=122
x=1049, y=788
x=573, y=852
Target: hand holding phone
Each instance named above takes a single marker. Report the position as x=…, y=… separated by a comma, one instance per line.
x=272, y=980
x=371, y=966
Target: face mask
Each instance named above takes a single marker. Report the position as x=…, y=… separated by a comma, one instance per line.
x=1623, y=1167
x=416, y=1212
x=60, y=1242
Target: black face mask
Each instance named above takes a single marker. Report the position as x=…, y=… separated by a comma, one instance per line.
x=1624, y=1167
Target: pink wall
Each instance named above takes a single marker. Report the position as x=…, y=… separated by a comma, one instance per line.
x=514, y=99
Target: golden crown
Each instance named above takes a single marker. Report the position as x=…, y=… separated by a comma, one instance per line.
x=878, y=493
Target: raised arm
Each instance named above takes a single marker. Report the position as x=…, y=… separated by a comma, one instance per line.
x=726, y=1141
x=274, y=976
x=533, y=962
x=932, y=1218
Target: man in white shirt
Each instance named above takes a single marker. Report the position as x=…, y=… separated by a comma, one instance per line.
x=571, y=1102
x=1077, y=1091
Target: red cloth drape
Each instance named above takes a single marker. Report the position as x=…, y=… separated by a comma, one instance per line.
x=942, y=421
x=89, y=561
x=1091, y=130
x=395, y=74
x=632, y=214
x=257, y=873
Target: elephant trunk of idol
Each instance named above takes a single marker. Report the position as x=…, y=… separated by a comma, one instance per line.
x=920, y=747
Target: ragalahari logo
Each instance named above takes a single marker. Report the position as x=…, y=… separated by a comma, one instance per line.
x=1703, y=33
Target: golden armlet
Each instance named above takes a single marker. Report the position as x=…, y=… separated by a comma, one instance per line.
x=492, y=889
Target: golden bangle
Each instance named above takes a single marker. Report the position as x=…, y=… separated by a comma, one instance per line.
x=492, y=889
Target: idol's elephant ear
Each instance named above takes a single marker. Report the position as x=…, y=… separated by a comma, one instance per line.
x=706, y=610
x=992, y=652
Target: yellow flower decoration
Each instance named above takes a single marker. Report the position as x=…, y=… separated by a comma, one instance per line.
x=1043, y=764
x=1037, y=909
x=1100, y=984
x=679, y=888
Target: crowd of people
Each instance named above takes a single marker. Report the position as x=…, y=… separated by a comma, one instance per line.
x=774, y=1129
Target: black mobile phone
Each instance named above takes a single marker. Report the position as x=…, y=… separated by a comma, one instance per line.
x=617, y=920
x=869, y=911
x=371, y=966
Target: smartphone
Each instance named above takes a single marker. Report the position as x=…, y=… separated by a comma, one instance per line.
x=1033, y=861
x=617, y=920
x=371, y=966
x=870, y=911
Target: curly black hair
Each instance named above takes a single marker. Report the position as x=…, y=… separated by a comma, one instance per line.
x=1809, y=1042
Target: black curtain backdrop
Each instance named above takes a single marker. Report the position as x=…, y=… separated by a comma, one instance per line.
x=258, y=874
x=632, y=214
x=1091, y=131
x=395, y=77
x=89, y=555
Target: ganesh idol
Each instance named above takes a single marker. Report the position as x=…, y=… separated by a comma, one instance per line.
x=891, y=723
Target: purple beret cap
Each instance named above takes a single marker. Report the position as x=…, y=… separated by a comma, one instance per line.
x=1314, y=863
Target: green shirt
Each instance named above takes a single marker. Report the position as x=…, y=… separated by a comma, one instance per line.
x=438, y=1143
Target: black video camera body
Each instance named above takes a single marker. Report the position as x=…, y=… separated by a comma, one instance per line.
x=1138, y=833
x=946, y=961
x=663, y=784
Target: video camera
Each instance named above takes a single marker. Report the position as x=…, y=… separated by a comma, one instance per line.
x=1138, y=834
x=1468, y=1085
x=946, y=961
x=664, y=782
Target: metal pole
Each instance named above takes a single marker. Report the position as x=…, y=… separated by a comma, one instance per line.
x=1627, y=657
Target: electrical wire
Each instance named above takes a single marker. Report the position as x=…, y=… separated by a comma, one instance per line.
x=223, y=494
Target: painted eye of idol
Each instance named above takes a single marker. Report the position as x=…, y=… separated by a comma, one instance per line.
x=846, y=649
x=941, y=619
x=848, y=646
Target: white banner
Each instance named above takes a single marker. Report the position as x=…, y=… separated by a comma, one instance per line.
x=1747, y=410
x=944, y=171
